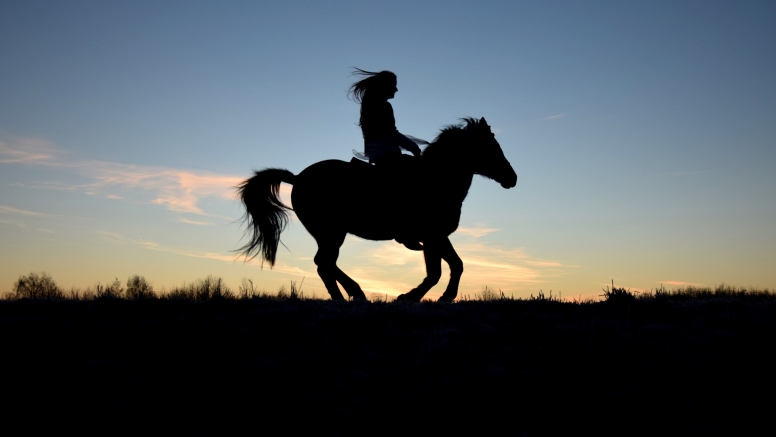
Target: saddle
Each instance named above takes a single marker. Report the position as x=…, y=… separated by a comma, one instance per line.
x=364, y=171
x=396, y=178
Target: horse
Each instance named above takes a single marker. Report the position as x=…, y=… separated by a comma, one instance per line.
x=333, y=198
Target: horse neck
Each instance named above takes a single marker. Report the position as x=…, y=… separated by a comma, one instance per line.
x=449, y=175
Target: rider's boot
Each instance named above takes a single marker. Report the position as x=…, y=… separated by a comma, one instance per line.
x=409, y=243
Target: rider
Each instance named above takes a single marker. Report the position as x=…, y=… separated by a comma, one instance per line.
x=382, y=141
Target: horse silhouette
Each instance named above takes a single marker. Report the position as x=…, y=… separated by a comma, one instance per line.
x=333, y=198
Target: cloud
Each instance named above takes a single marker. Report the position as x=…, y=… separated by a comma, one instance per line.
x=12, y=222
x=279, y=267
x=193, y=222
x=544, y=263
x=27, y=150
x=375, y=285
x=682, y=173
x=392, y=253
x=476, y=232
x=11, y=210
x=682, y=284
x=392, y=269
x=553, y=117
x=499, y=267
x=178, y=190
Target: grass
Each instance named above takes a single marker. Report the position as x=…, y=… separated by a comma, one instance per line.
x=202, y=359
x=41, y=286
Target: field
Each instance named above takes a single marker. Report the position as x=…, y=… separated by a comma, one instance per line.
x=686, y=362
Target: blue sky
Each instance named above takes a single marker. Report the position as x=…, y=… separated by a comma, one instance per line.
x=642, y=134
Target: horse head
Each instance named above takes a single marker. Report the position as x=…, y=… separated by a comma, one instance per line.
x=489, y=160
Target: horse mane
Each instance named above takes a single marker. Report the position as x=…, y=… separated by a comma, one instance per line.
x=452, y=135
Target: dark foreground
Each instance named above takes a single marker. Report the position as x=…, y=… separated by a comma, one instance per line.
x=263, y=366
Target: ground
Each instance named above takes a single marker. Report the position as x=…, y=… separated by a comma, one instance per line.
x=503, y=367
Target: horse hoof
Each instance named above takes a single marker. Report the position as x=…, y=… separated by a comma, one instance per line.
x=406, y=297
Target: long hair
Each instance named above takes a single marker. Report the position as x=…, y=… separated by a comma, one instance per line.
x=372, y=82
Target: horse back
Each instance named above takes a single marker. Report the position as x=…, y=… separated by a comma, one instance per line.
x=348, y=196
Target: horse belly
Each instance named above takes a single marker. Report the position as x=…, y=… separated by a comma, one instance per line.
x=373, y=222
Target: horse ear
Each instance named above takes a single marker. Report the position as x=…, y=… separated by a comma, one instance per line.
x=484, y=123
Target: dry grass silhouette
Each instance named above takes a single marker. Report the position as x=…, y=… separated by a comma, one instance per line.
x=202, y=359
x=41, y=286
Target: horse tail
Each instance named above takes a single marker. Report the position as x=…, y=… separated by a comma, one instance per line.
x=265, y=214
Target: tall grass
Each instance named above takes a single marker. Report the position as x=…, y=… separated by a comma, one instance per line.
x=41, y=286
x=717, y=292
x=201, y=290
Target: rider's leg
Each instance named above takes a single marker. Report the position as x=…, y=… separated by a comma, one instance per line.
x=400, y=170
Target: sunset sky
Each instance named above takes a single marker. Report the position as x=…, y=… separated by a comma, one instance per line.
x=643, y=135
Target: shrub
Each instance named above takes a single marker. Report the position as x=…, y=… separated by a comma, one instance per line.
x=112, y=291
x=618, y=294
x=34, y=286
x=488, y=293
x=138, y=288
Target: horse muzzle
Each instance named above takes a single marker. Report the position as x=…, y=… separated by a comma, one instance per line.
x=510, y=181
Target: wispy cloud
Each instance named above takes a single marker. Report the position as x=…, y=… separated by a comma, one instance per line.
x=392, y=269
x=682, y=173
x=392, y=253
x=500, y=267
x=12, y=222
x=4, y=209
x=553, y=117
x=506, y=268
x=476, y=232
x=380, y=286
x=27, y=150
x=178, y=190
x=280, y=267
x=682, y=284
x=193, y=222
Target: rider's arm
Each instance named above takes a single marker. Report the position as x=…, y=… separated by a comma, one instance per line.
x=409, y=145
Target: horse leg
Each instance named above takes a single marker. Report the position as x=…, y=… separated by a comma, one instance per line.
x=351, y=287
x=456, y=270
x=433, y=273
x=326, y=260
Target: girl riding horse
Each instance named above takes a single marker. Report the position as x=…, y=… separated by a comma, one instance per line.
x=382, y=141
